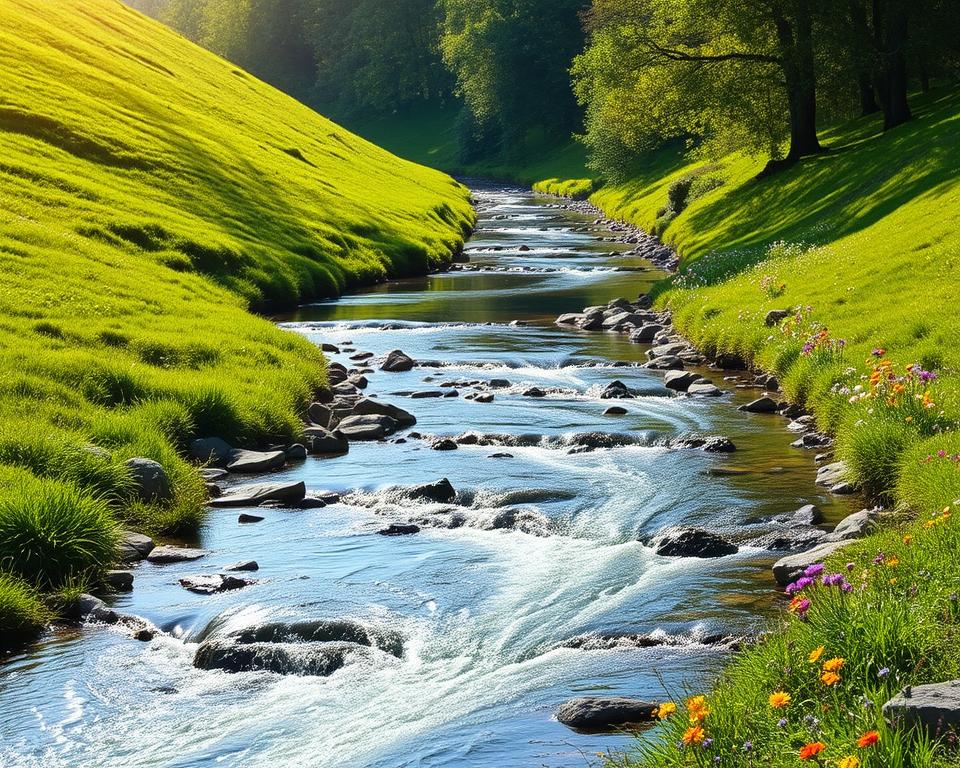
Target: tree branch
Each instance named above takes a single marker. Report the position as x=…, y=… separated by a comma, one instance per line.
x=677, y=55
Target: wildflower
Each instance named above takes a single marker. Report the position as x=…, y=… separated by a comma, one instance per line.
x=893, y=562
x=883, y=672
x=779, y=699
x=879, y=559
x=850, y=761
x=834, y=665
x=878, y=352
x=799, y=606
x=814, y=570
x=693, y=735
x=851, y=566
x=707, y=743
x=782, y=722
x=868, y=739
x=811, y=750
x=830, y=678
x=747, y=746
x=666, y=709
x=799, y=585
x=815, y=654
x=697, y=709
x=907, y=539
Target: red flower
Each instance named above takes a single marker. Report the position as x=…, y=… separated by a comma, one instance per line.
x=812, y=750
x=868, y=739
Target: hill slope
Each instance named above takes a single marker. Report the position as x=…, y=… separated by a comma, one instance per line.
x=150, y=194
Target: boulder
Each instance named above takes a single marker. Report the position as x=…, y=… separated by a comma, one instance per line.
x=213, y=584
x=372, y=427
x=499, y=383
x=933, y=708
x=214, y=491
x=118, y=581
x=369, y=407
x=680, y=381
x=760, y=405
x=296, y=452
x=317, y=631
x=399, y=529
x=309, y=659
x=605, y=713
x=713, y=444
x=397, y=362
x=427, y=393
x=134, y=546
x=667, y=350
x=441, y=491
x=855, y=526
x=704, y=389
x=244, y=565
x=445, y=444
x=665, y=363
x=617, y=390
x=570, y=318
x=615, y=410
x=164, y=555
x=150, y=481
x=245, y=518
x=249, y=462
x=645, y=334
x=322, y=441
x=776, y=316
x=327, y=347
x=254, y=495
x=620, y=303
x=808, y=514
x=592, y=321
x=319, y=414
x=679, y=541
x=486, y=397
x=534, y=392
x=797, y=538
x=361, y=356
x=830, y=475
x=788, y=568
x=88, y=608
x=211, y=450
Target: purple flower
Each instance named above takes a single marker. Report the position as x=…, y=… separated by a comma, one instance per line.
x=850, y=566
x=941, y=454
x=883, y=672
x=879, y=559
x=747, y=746
x=782, y=722
x=832, y=579
x=707, y=743
x=807, y=348
x=799, y=585
x=814, y=570
x=846, y=586
x=878, y=352
x=927, y=376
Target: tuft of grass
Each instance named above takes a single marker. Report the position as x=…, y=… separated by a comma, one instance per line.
x=22, y=612
x=52, y=533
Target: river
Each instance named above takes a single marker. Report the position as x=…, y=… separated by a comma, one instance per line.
x=484, y=613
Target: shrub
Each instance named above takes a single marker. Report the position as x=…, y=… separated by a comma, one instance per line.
x=52, y=532
x=22, y=613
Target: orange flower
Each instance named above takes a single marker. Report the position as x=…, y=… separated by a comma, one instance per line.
x=812, y=750
x=868, y=739
x=834, y=665
x=815, y=654
x=693, y=735
x=830, y=678
x=697, y=709
x=666, y=709
x=893, y=562
x=779, y=699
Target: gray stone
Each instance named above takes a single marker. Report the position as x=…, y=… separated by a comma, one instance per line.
x=327, y=347
x=776, y=316
x=397, y=362
x=399, y=529
x=296, y=452
x=667, y=350
x=855, y=526
x=570, y=318
x=592, y=321
x=796, y=538
x=322, y=441
x=808, y=514
x=844, y=489
x=254, y=495
x=213, y=584
x=830, y=475
x=427, y=393
x=88, y=608
x=441, y=491
x=605, y=713
x=212, y=474
x=933, y=708
x=646, y=333
x=372, y=427
x=788, y=568
x=249, y=462
x=665, y=363
x=445, y=444
x=164, y=555
x=760, y=405
x=486, y=397
x=244, y=565
x=701, y=389
x=680, y=381
x=534, y=392
x=212, y=450
x=245, y=518
x=679, y=541
x=118, y=581
x=134, y=546
x=370, y=407
x=150, y=479
x=310, y=659
x=319, y=414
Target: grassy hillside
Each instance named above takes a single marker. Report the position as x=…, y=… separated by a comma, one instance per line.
x=863, y=245
x=150, y=195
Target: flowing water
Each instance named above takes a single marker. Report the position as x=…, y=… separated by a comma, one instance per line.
x=484, y=612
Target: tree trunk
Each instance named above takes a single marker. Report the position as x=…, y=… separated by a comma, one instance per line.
x=868, y=98
x=796, y=47
x=890, y=25
x=862, y=58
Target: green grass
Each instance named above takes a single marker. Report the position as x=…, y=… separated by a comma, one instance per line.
x=863, y=242
x=151, y=196
x=23, y=613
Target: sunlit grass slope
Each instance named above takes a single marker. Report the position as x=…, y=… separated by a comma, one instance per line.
x=150, y=195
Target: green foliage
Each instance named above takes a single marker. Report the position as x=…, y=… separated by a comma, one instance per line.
x=51, y=532
x=22, y=612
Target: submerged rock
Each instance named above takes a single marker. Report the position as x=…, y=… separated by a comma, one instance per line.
x=615, y=410
x=254, y=495
x=244, y=565
x=713, y=444
x=163, y=555
x=307, y=659
x=760, y=405
x=372, y=427
x=441, y=492
x=213, y=584
x=679, y=541
x=399, y=529
x=397, y=362
x=605, y=713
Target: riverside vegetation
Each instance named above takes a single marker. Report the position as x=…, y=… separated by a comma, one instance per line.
x=152, y=196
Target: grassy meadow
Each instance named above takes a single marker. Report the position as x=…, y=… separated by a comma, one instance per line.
x=151, y=196
x=862, y=245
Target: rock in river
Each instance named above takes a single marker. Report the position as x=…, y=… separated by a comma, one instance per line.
x=397, y=362
x=399, y=529
x=760, y=405
x=679, y=541
x=855, y=526
x=134, y=546
x=605, y=713
x=323, y=442
x=253, y=495
x=369, y=407
x=242, y=461
x=150, y=479
x=214, y=583
x=788, y=568
x=164, y=555
x=371, y=427
x=680, y=381
x=309, y=659
x=441, y=492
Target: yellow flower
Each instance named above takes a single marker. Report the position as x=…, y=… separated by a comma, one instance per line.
x=907, y=539
x=834, y=664
x=893, y=562
x=693, y=735
x=666, y=709
x=830, y=678
x=850, y=761
x=697, y=708
x=815, y=654
x=779, y=699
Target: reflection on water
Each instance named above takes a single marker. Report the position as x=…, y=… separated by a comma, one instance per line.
x=484, y=612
